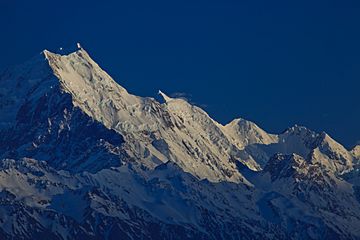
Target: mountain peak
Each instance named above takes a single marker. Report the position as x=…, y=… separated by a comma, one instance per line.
x=241, y=121
x=298, y=130
x=79, y=52
x=244, y=132
x=65, y=51
x=164, y=96
x=91, y=88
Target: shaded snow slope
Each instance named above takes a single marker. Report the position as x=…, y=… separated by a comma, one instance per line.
x=31, y=78
x=168, y=203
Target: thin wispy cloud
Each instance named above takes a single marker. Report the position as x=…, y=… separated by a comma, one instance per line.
x=181, y=95
x=187, y=97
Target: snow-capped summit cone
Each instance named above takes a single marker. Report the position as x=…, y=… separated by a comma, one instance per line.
x=244, y=132
x=43, y=120
x=332, y=154
x=164, y=96
x=91, y=88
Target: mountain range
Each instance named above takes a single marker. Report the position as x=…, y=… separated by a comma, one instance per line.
x=82, y=158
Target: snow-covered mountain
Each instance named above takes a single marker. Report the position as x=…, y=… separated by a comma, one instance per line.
x=82, y=158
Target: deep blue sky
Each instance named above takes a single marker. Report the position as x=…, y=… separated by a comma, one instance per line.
x=274, y=62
